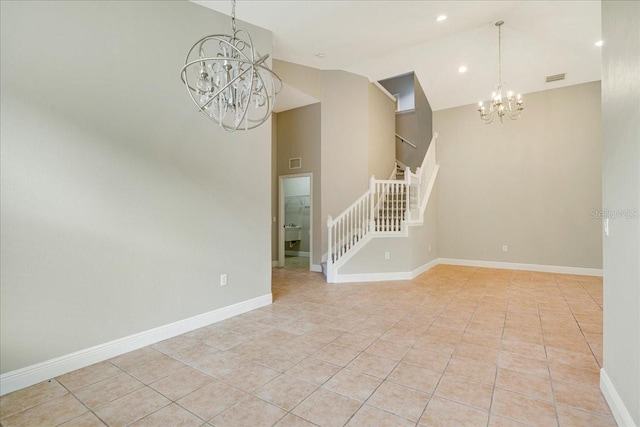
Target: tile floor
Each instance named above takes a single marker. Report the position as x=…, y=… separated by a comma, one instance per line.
x=457, y=346
x=296, y=263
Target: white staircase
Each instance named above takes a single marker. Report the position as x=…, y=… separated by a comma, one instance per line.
x=387, y=209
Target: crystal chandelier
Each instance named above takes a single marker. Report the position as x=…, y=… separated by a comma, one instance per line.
x=502, y=100
x=230, y=82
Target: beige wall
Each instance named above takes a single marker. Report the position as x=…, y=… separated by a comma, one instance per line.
x=347, y=150
x=382, y=127
x=416, y=126
x=424, y=239
x=299, y=136
x=345, y=142
x=121, y=204
x=371, y=258
x=274, y=187
x=303, y=78
x=621, y=191
x=529, y=184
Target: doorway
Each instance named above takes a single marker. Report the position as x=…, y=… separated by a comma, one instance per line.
x=295, y=238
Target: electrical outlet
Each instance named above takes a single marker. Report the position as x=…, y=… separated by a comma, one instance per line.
x=223, y=279
x=387, y=255
x=505, y=248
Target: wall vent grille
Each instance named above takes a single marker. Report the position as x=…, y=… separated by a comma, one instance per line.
x=555, y=77
x=295, y=163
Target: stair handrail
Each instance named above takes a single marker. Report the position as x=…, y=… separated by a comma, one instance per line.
x=425, y=172
x=431, y=146
x=406, y=141
x=332, y=221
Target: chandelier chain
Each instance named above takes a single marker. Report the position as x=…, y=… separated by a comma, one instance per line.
x=233, y=15
x=499, y=53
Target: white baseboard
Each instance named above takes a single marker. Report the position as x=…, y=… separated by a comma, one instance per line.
x=297, y=253
x=372, y=277
x=275, y=263
x=380, y=277
x=316, y=267
x=618, y=409
x=30, y=375
x=408, y=275
x=529, y=267
x=426, y=267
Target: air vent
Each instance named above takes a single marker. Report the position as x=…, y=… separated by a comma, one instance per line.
x=555, y=77
x=295, y=163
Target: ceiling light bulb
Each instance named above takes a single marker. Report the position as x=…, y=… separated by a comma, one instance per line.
x=462, y=69
x=599, y=43
x=441, y=18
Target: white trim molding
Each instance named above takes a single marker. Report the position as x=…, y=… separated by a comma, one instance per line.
x=408, y=275
x=580, y=271
x=379, y=277
x=424, y=268
x=275, y=263
x=384, y=90
x=618, y=408
x=372, y=277
x=305, y=254
x=316, y=268
x=30, y=375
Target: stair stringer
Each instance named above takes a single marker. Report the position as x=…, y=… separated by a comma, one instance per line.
x=423, y=206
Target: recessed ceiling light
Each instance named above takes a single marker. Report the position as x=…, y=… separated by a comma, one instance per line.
x=441, y=18
x=320, y=55
x=462, y=69
x=599, y=43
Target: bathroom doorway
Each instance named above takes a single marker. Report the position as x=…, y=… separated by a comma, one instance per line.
x=295, y=241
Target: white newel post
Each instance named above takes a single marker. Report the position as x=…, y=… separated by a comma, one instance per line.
x=329, y=250
x=372, y=191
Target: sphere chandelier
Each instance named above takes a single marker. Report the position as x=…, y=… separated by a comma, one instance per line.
x=229, y=81
x=502, y=101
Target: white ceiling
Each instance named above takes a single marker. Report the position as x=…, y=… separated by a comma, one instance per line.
x=381, y=39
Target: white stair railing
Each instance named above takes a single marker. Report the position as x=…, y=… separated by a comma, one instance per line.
x=389, y=211
x=381, y=210
x=348, y=228
x=385, y=209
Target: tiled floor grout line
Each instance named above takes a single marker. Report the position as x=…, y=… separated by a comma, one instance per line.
x=544, y=343
x=495, y=380
x=390, y=372
x=580, y=327
x=450, y=355
x=345, y=367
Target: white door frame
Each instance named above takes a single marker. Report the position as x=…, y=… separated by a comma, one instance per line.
x=281, y=223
